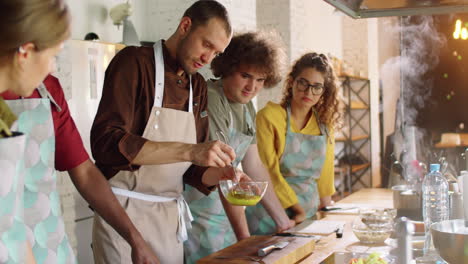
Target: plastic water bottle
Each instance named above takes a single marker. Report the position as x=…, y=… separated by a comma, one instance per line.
x=435, y=202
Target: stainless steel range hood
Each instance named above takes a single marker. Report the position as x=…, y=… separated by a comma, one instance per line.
x=381, y=8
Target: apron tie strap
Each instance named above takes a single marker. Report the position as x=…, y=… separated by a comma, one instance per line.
x=185, y=219
x=185, y=216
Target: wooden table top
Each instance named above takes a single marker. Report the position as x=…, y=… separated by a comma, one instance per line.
x=375, y=198
x=370, y=198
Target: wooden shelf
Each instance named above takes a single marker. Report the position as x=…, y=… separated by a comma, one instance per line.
x=355, y=168
x=355, y=77
x=449, y=145
x=356, y=93
x=359, y=105
x=118, y=46
x=460, y=140
x=341, y=169
x=354, y=138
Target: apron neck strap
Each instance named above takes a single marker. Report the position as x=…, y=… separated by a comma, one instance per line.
x=322, y=127
x=159, y=78
x=46, y=95
x=288, y=118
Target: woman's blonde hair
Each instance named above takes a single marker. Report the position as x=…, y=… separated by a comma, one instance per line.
x=328, y=105
x=45, y=23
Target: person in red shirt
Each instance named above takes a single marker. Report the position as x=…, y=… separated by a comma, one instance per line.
x=71, y=156
x=33, y=32
x=69, y=148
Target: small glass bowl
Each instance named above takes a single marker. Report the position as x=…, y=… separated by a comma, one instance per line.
x=374, y=225
x=371, y=236
x=243, y=193
x=347, y=257
x=377, y=218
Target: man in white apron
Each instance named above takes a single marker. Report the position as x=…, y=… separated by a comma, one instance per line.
x=151, y=115
x=243, y=75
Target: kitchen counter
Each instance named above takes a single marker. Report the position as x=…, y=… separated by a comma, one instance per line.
x=375, y=198
x=364, y=198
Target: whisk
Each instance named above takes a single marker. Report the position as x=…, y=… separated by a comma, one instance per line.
x=224, y=139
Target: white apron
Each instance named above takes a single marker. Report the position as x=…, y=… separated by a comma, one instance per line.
x=152, y=195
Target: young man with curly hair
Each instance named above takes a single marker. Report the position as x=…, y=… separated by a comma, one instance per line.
x=251, y=62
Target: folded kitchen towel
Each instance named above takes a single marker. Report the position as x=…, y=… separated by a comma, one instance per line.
x=322, y=227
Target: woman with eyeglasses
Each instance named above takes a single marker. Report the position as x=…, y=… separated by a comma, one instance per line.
x=296, y=142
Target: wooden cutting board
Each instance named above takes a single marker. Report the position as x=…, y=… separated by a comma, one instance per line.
x=297, y=249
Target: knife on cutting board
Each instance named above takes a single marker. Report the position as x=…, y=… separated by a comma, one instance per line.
x=266, y=250
x=287, y=234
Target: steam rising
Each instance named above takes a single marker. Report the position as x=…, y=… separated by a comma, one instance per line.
x=420, y=44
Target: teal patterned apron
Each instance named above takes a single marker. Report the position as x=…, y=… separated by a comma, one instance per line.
x=301, y=165
x=211, y=230
x=45, y=229
x=12, y=229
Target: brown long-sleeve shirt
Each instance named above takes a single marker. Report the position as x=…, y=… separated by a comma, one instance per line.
x=125, y=107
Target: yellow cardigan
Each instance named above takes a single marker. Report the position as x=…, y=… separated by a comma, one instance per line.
x=271, y=138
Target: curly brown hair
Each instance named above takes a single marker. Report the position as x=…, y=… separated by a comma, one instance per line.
x=328, y=105
x=262, y=50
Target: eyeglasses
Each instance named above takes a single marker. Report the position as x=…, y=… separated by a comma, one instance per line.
x=316, y=88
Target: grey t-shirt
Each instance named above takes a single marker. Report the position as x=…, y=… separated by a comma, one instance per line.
x=220, y=110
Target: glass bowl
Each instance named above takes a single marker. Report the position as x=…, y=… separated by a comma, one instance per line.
x=350, y=258
x=243, y=193
x=374, y=226
x=371, y=236
x=377, y=258
x=376, y=218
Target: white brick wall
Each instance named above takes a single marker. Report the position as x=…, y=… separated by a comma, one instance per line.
x=315, y=27
x=274, y=15
x=243, y=14
x=162, y=18
x=355, y=45
x=304, y=26
x=93, y=16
